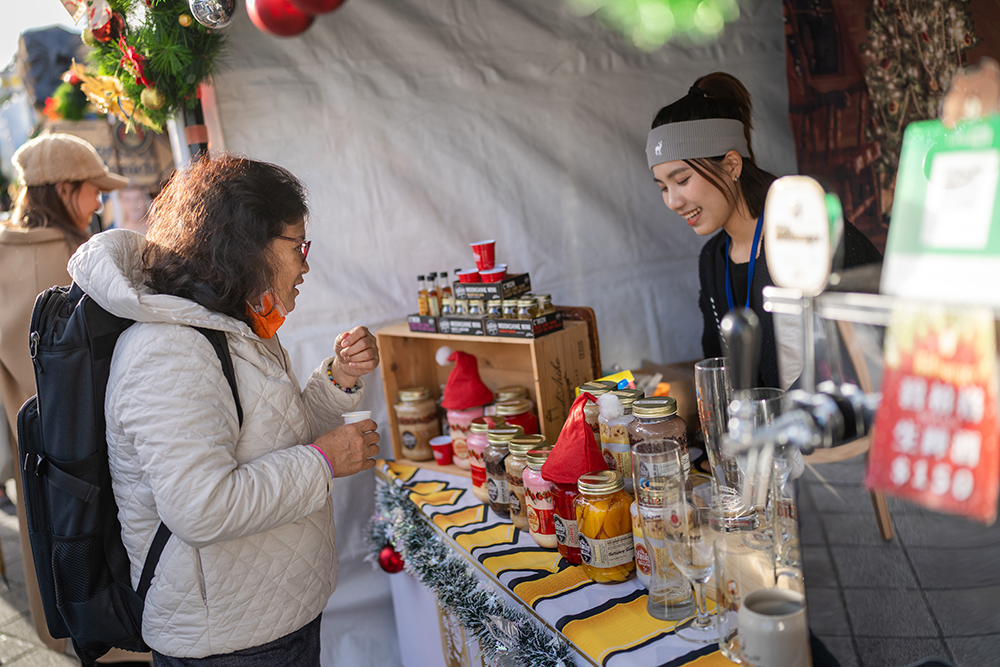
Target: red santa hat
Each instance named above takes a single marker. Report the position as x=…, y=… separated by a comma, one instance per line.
x=464, y=389
x=576, y=451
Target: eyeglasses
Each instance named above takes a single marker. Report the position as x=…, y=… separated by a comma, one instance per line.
x=303, y=246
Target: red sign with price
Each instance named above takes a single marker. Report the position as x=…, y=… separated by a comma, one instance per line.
x=937, y=434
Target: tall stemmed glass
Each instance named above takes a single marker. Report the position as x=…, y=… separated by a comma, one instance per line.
x=687, y=520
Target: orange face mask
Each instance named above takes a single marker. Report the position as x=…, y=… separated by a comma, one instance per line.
x=268, y=316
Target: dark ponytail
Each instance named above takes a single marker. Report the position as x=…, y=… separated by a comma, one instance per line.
x=721, y=95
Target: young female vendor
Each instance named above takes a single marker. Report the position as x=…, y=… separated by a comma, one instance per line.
x=700, y=152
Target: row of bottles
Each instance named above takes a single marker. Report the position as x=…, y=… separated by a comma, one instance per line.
x=433, y=291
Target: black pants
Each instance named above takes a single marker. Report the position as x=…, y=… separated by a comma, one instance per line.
x=298, y=649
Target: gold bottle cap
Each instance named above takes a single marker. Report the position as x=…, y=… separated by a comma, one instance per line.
x=536, y=457
x=523, y=444
x=658, y=406
x=601, y=482
x=482, y=424
x=512, y=407
x=413, y=394
x=503, y=434
x=628, y=396
x=494, y=303
x=511, y=392
x=597, y=387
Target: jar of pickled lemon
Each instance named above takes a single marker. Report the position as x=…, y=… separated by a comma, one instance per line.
x=604, y=520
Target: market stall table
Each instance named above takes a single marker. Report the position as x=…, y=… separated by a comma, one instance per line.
x=607, y=624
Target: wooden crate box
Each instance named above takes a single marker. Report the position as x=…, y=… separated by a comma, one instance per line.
x=550, y=367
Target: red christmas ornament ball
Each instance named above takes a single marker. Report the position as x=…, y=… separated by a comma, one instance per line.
x=314, y=7
x=278, y=17
x=389, y=559
x=110, y=31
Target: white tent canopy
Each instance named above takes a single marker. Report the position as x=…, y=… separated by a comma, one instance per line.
x=420, y=126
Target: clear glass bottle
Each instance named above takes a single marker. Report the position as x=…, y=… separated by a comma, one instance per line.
x=518, y=411
x=423, y=305
x=544, y=302
x=493, y=309
x=476, y=446
x=417, y=422
x=515, y=464
x=445, y=292
x=433, y=297
x=604, y=520
x=538, y=495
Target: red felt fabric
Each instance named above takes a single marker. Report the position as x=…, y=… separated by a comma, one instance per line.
x=464, y=389
x=576, y=452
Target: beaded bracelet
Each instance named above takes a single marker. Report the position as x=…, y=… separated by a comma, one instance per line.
x=351, y=390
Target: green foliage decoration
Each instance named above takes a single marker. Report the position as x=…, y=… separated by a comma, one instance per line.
x=70, y=102
x=649, y=24
x=176, y=57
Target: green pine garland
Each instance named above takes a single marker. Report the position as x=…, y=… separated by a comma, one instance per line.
x=177, y=57
x=459, y=591
x=70, y=102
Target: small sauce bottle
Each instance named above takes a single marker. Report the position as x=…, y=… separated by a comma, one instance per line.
x=424, y=306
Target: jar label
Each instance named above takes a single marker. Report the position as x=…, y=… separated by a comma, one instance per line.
x=611, y=552
x=541, y=500
x=515, y=502
x=460, y=448
x=664, y=469
x=409, y=440
x=566, y=533
x=540, y=521
x=619, y=460
x=642, y=559
x=478, y=473
x=496, y=487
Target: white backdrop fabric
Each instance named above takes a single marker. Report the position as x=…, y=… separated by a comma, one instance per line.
x=419, y=126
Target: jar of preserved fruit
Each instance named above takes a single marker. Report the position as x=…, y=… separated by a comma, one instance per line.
x=518, y=411
x=475, y=447
x=527, y=309
x=544, y=302
x=614, y=437
x=605, y=524
x=591, y=412
x=458, y=427
x=538, y=494
x=494, y=457
x=417, y=422
x=493, y=308
x=563, y=501
x=509, y=309
x=655, y=433
x=515, y=464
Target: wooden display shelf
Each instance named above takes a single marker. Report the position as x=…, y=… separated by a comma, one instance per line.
x=549, y=367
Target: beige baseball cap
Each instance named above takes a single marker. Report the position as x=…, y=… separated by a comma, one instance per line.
x=58, y=158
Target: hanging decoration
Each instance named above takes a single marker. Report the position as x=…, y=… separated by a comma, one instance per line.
x=390, y=560
x=507, y=636
x=149, y=56
x=649, y=24
x=278, y=17
x=68, y=102
x=913, y=50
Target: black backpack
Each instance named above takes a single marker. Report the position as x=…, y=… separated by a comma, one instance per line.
x=76, y=542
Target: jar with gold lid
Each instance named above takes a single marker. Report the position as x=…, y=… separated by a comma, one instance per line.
x=656, y=432
x=461, y=307
x=538, y=497
x=509, y=309
x=527, y=309
x=494, y=458
x=515, y=465
x=518, y=411
x=614, y=436
x=604, y=520
x=476, y=308
x=417, y=422
x=591, y=412
x=476, y=446
x=544, y=302
x=494, y=308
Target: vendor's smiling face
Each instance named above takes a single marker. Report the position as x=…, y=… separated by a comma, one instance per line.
x=701, y=203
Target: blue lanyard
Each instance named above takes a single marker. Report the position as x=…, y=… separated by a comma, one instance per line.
x=753, y=263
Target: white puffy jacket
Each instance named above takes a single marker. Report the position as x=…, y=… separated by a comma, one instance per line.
x=252, y=556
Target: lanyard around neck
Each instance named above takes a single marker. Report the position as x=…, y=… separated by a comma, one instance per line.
x=753, y=263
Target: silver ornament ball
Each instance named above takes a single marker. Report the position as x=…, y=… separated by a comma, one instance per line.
x=213, y=13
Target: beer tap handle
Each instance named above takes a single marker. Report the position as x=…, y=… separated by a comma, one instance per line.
x=741, y=335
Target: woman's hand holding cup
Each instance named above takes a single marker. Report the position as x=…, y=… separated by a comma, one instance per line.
x=355, y=354
x=351, y=448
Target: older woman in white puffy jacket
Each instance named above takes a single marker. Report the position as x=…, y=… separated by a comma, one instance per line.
x=251, y=562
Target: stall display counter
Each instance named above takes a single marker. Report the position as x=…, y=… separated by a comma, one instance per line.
x=606, y=624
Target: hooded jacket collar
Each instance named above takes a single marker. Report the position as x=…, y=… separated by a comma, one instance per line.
x=109, y=268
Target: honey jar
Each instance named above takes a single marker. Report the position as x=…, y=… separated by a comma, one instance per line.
x=417, y=422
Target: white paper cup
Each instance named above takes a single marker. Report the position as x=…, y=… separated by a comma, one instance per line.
x=359, y=416
x=773, y=633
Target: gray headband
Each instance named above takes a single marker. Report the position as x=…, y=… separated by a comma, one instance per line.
x=695, y=138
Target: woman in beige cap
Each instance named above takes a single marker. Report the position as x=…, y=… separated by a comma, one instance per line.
x=61, y=180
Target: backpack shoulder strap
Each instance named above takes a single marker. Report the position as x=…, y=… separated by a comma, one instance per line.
x=221, y=346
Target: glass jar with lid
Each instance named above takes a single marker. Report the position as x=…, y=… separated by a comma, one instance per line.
x=494, y=457
x=458, y=427
x=527, y=309
x=515, y=464
x=417, y=422
x=564, y=520
x=544, y=302
x=511, y=392
x=538, y=496
x=447, y=306
x=476, y=446
x=591, y=412
x=654, y=435
x=604, y=520
x=518, y=411
x=509, y=309
x=614, y=436
x=461, y=307
x=476, y=308
x=494, y=308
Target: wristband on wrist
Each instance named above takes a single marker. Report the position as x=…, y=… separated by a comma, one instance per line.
x=325, y=458
x=346, y=390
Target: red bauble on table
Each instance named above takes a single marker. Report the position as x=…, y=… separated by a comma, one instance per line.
x=390, y=560
x=278, y=17
x=314, y=7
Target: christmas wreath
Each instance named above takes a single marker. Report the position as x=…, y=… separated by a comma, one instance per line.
x=148, y=56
